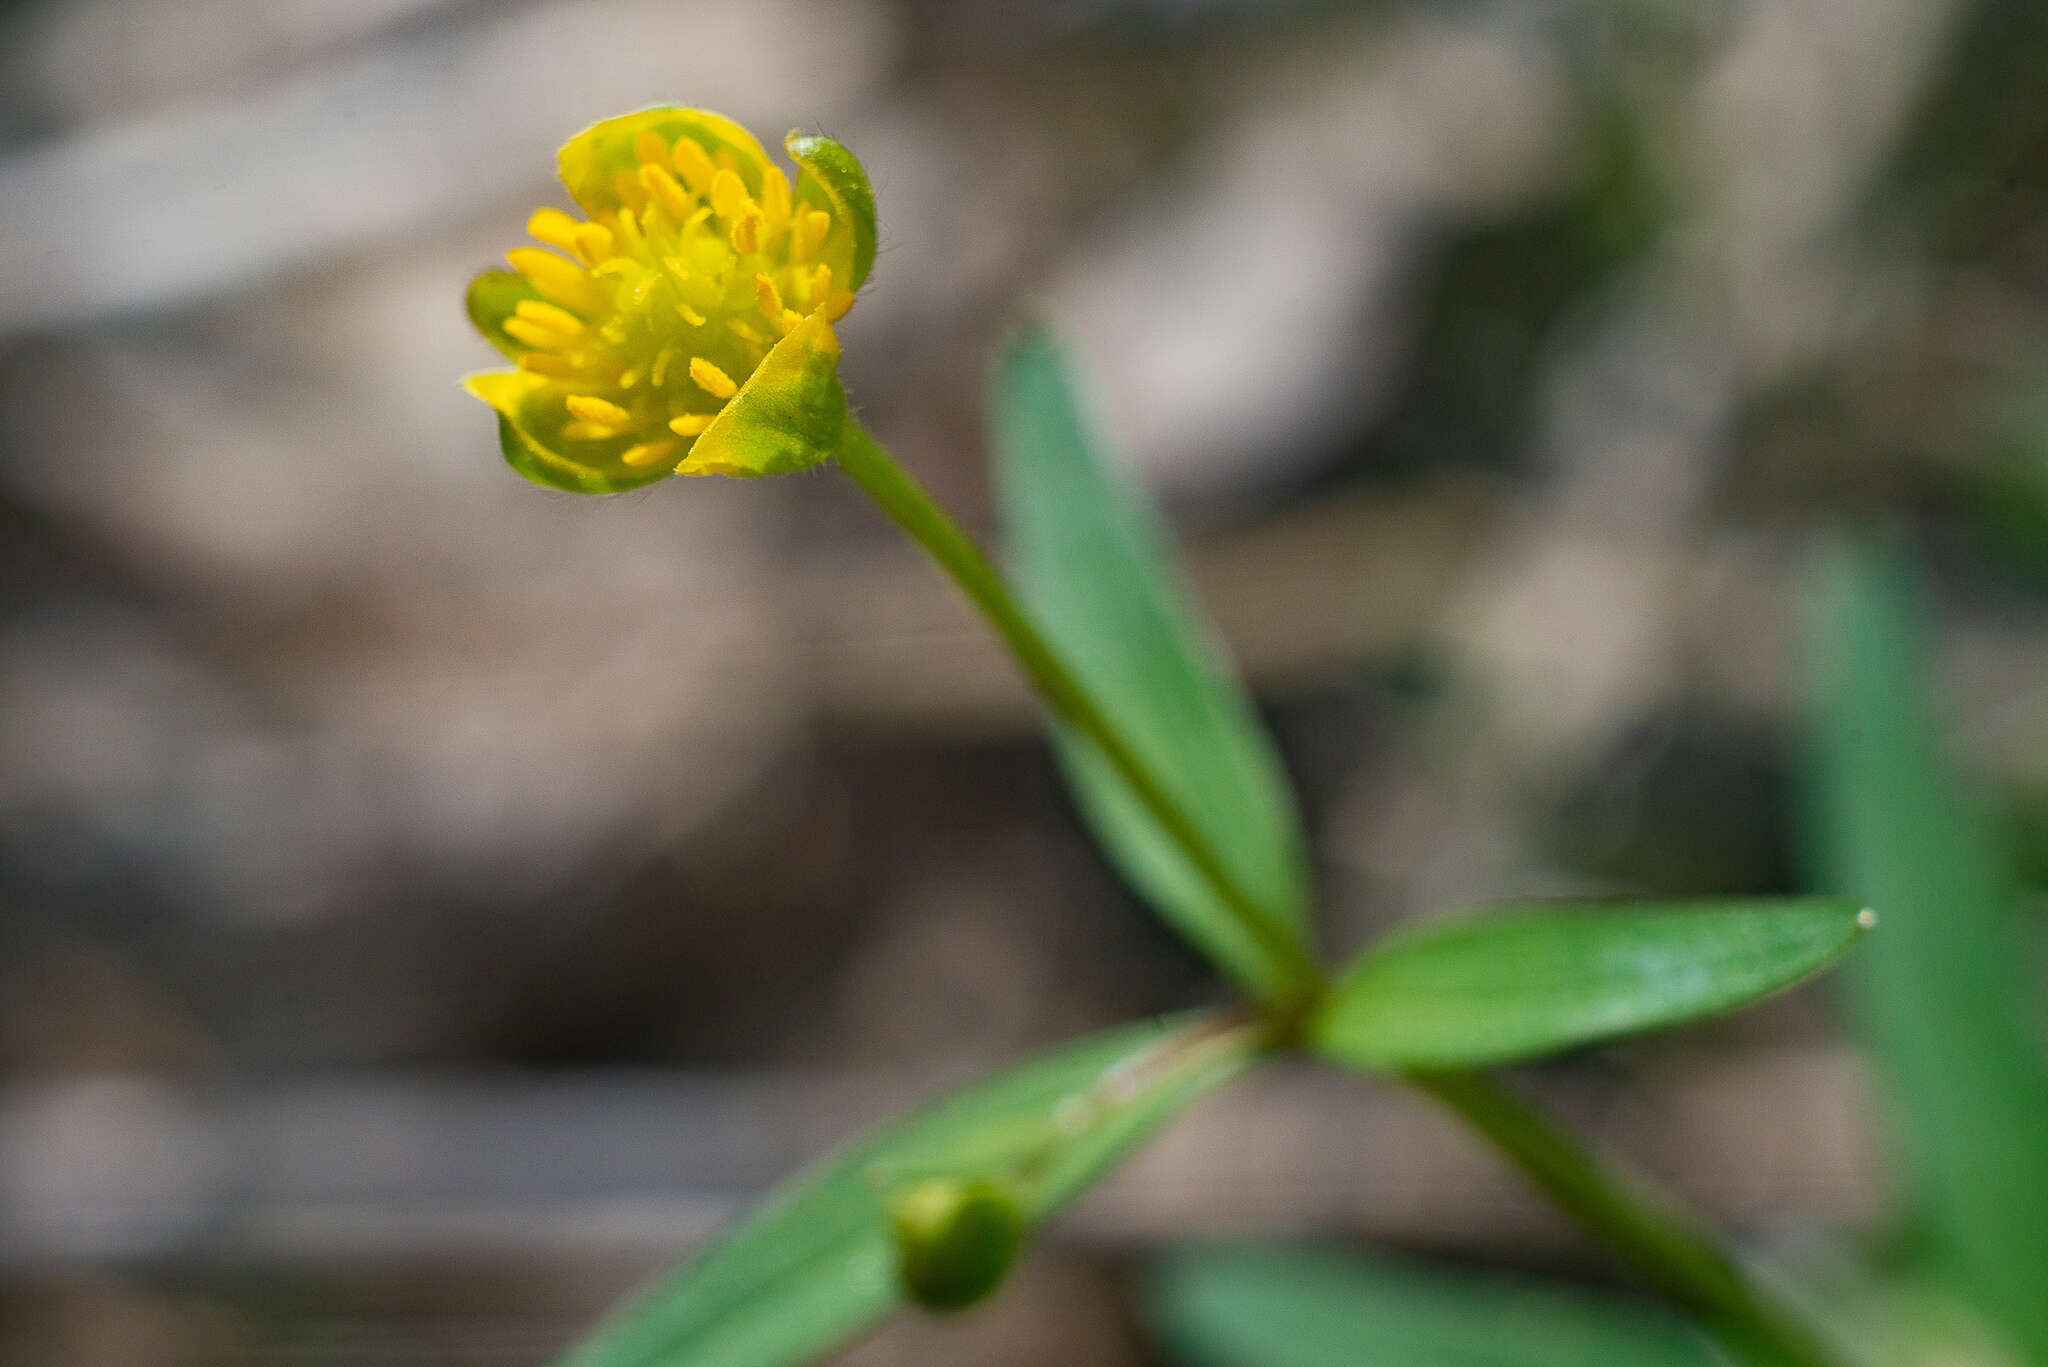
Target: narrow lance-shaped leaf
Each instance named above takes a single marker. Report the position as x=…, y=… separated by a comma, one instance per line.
x=1943, y=996
x=1524, y=982
x=1257, y=1307
x=819, y=1262
x=1093, y=565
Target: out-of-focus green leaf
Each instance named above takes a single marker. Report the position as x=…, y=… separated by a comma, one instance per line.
x=1941, y=993
x=1529, y=981
x=1296, y=1308
x=817, y=1262
x=1093, y=565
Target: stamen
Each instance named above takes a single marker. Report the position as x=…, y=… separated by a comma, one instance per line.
x=812, y=227
x=767, y=298
x=589, y=431
x=549, y=316
x=649, y=149
x=626, y=189
x=629, y=237
x=693, y=165
x=532, y=333
x=711, y=379
x=593, y=243
x=729, y=195
x=746, y=234
x=690, y=315
x=742, y=329
x=821, y=282
x=775, y=196
x=665, y=192
x=558, y=281
x=549, y=364
x=647, y=452
x=593, y=409
x=691, y=424
x=658, y=376
x=553, y=227
x=788, y=322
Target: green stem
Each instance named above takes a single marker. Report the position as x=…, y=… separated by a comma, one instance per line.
x=908, y=505
x=1638, y=1223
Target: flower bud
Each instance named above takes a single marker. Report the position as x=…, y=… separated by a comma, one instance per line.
x=955, y=1239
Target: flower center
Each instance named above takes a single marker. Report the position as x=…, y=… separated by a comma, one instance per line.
x=656, y=312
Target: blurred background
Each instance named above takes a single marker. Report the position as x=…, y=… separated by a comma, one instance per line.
x=428, y=903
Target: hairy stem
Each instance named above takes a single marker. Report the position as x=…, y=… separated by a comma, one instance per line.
x=911, y=508
x=1638, y=1223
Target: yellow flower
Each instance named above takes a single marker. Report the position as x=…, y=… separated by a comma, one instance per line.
x=685, y=325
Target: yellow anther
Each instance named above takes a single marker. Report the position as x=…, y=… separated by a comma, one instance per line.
x=593, y=243
x=821, y=283
x=558, y=281
x=690, y=315
x=626, y=189
x=788, y=322
x=590, y=408
x=767, y=298
x=711, y=379
x=649, y=149
x=746, y=233
x=742, y=329
x=589, y=431
x=553, y=227
x=549, y=316
x=662, y=188
x=812, y=226
x=628, y=235
x=549, y=364
x=532, y=334
x=775, y=197
x=691, y=424
x=647, y=452
x=837, y=303
x=693, y=165
x=729, y=195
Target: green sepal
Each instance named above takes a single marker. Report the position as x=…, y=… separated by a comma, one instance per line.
x=530, y=414
x=593, y=158
x=545, y=468
x=491, y=300
x=788, y=416
x=834, y=181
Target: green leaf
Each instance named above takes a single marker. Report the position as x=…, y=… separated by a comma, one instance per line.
x=1943, y=995
x=817, y=1262
x=1253, y=1307
x=1093, y=565
x=1532, y=980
